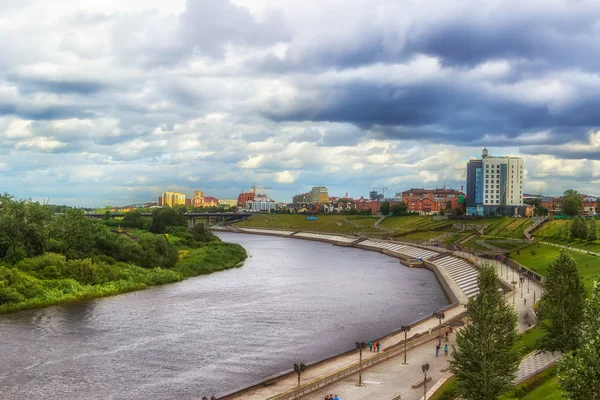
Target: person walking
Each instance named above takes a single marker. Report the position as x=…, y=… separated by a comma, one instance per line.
x=378, y=346
x=437, y=350
x=446, y=350
x=336, y=397
x=370, y=346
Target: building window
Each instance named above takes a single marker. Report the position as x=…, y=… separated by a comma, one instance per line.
x=486, y=186
x=486, y=191
x=486, y=181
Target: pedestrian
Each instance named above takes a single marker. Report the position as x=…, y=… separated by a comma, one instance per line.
x=524, y=301
x=446, y=350
x=336, y=398
x=370, y=346
x=378, y=346
x=437, y=350
x=446, y=336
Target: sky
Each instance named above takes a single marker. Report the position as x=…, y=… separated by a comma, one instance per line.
x=113, y=102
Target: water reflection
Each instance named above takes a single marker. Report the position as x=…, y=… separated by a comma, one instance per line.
x=293, y=300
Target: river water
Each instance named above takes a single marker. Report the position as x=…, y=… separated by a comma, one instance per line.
x=292, y=301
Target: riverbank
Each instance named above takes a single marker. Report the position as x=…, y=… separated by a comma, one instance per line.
x=456, y=274
x=51, y=279
x=333, y=369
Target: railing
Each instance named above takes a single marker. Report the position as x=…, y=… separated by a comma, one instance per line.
x=352, y=369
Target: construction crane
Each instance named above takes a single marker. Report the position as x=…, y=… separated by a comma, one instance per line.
x=254, y=187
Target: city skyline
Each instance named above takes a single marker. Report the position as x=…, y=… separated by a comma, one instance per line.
x=115, y=103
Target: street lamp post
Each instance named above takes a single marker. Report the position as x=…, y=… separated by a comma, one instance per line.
x=514, y=285
x=360, y=346
x=528, y=283
x=299, y=368
x=440, y=316
x=425, y=368
x=211, y=398
x=522, y=279
x=405, y=329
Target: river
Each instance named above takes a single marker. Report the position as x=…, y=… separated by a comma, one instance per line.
x=292, y=301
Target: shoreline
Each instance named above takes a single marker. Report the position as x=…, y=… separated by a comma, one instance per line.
x=453, y=298
x=113, y=288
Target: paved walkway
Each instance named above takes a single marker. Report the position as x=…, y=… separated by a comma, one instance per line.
x=533, y=363
x=570, y=248
x=291, y=382
x=391, y=378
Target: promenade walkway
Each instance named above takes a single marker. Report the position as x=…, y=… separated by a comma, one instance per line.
x=290, y=382
x=391, y=378
x=570, y=248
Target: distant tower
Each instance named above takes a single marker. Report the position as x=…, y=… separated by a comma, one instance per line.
x=485, y=152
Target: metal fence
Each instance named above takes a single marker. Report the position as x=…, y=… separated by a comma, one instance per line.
x=353, y=369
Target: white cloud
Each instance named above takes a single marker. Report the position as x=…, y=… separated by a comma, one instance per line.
x=285, y=177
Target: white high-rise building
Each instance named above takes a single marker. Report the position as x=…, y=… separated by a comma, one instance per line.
x=502, y=180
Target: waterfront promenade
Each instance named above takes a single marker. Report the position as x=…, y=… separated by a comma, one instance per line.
x=391, y=378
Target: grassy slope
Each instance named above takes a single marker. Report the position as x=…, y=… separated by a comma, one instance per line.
x=543, y=254
x=557, y=231
x=547, y=391
x=325, y=223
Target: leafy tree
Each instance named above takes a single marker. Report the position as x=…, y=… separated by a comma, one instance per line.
x=132, y=219
x=579, y=370
x=582, y=229
x=399, y=209
x=592, y=230
x=485, y=359
x=575, y=228
x=562, y=305
x=540, y=211
x=571, y=202
x=166, y=217
x=75, y=232
x=385, y=208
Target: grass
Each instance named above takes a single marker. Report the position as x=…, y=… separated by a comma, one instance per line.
x=413, y=222
x=548, y=391
x=557, y=231
x=446, y=391
x=325, y=223
x=507, y=245
x=539, y=256
x=20, y=289
x=507, y=227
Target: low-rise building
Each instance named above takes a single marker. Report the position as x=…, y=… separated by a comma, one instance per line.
x=261, y=203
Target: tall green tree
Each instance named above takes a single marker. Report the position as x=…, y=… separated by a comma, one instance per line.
x=571, y=202
x=582, y=229
x=579, y=370
x=385, y=208
x=575, y=228
x=399, y=209
x=540, y=211
x=562, y=305
x=592, y=230
x=485, y=359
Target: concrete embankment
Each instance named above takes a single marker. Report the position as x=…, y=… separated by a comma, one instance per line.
x=325, y=372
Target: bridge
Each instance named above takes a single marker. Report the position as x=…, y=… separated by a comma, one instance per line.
x=193, y=217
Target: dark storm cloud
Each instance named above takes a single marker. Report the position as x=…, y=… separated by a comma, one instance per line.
x=80, y=87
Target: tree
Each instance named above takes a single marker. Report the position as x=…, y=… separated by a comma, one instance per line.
x=540, y=211
x=562, y=305
x=582, y=232
x=592, y=230
x=571, y=202
x=575, y=228
x=579, y=371
x=385, y=208
x=399, y=208
x=485, y=358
